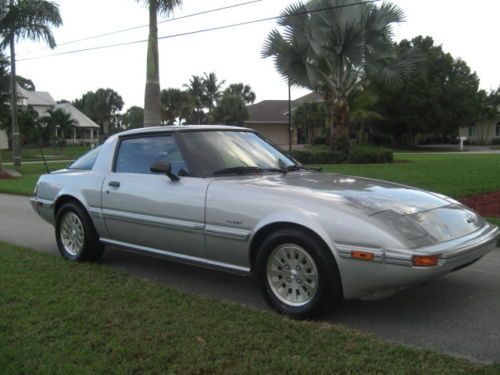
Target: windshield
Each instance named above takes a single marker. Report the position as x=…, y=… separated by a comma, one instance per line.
x=87, y=161
x=233, y=152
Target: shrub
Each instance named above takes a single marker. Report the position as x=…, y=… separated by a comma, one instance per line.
x=495, y=141
x=365, y=156
x=357, y=156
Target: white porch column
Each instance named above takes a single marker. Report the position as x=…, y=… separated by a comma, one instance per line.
x=74, y=136
x=92, y=135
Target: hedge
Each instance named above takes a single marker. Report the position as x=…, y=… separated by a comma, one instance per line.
x=356, y=156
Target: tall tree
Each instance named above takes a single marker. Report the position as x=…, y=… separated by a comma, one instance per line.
x=333, y=46
x=25, y=83
x=152, y=96
x=21, y=19
x=177, y=105
x=133, y=118
x=230, y=110
x=101, y=106
x=4, y=96
x=243, y=91
x=363, y=109
x=213, y=90
x=435, y=100
x=196, y=88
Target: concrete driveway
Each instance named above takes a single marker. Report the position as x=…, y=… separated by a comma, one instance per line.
x=458, y=314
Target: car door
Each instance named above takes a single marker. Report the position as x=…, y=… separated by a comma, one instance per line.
x=149, y=210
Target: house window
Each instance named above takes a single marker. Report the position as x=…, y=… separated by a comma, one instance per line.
x=497, y=129
x=472, y=131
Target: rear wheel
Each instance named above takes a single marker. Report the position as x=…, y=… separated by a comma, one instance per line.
x=298, y=275
x=75, y=234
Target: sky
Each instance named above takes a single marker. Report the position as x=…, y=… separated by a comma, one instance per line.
x=465, y=29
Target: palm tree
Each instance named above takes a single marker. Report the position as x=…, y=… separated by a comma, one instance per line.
x=4, y=96
x=152, y=98
x=22, y=19
x=196, y=88
x=230, y=110
x=333, y=46
x=176, y=105
x=243, y=91
x=362, y=110
x=60, y=120
x=212, y=90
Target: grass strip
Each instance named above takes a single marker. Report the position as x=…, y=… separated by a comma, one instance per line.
x=59, y=317
x=25, y=185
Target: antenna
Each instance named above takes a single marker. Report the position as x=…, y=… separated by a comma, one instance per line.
x=43, y=156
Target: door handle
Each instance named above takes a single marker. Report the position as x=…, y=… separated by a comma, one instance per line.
x=115, y=184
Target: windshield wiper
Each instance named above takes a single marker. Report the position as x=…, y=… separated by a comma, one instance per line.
x=295, y=167
x=248, y=169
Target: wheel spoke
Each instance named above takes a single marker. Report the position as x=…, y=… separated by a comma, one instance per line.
x=72, y=233
x=292, y=274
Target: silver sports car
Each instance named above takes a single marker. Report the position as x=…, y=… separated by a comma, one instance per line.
x=226, y=198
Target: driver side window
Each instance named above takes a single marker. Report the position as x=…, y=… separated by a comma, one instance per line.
x=136, y=155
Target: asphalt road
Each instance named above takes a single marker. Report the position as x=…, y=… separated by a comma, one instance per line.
x=458, y=314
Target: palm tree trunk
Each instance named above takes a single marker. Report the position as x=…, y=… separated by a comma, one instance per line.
x=152, y=96
x=16, y=145
x=340, y=126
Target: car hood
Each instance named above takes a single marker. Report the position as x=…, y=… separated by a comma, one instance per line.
x=368, y=195
x=419, y=216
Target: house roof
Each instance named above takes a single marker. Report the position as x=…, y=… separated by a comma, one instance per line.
x=276, y=111
x=82, y=121
x=36, y=98
x=268, y=111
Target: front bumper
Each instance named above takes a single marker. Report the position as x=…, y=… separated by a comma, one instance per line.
x=44, y=208
x=392, y=269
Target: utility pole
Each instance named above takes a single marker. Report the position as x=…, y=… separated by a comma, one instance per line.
x=16, y=139
x=289, y=117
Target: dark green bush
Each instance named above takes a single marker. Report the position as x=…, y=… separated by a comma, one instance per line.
x=356, y=156
x=365, y=156
x=495, y=141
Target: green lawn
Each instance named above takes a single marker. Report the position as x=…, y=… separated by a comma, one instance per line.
x=25, y=185
x=60, y=317
x=32, y=154
x=454, y=175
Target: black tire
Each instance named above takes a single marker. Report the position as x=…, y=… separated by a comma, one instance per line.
x=328, y=290
x=91, y=248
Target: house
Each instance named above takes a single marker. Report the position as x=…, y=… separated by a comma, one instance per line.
x=484, y=131
x=40, y=101
x=270, y=118
x=85, y=130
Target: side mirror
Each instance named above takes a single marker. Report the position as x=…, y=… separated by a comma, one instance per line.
x=165, y=168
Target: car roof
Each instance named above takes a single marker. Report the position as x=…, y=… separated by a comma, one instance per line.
x=170, y=128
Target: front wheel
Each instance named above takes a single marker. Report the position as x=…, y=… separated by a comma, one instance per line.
x=297, y=274
x=75, y=234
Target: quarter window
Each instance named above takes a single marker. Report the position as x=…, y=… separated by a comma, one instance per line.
x=87, y=161
x=136, y=155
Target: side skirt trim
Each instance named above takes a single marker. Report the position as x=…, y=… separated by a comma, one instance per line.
x=245, y=271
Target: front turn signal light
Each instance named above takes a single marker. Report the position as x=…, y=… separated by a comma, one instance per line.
x=425, y=261
x=363, y=255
